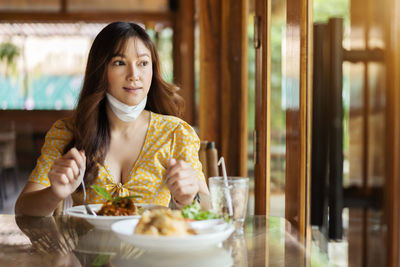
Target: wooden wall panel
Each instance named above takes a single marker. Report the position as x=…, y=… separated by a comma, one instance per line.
x=183, y=54
x=298, y=114
x=392, y=145
x=210, y=70
x=262, y=137
x=223, y=80
x=234, y=93
x=31, y=127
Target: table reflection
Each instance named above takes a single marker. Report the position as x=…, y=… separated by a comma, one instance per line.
x=67, y=241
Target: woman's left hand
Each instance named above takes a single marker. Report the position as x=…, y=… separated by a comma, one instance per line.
x=182, y=181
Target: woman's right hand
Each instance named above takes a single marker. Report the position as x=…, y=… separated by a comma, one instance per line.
x=65, y=173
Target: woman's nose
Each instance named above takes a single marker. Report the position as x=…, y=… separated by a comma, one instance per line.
x=133, y=73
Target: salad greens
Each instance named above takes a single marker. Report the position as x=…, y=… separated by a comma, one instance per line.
x=101, y=260
x=194, y=212
x=104, y=193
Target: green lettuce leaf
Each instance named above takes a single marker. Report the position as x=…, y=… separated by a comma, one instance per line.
x=194, y=212
x=102, y=192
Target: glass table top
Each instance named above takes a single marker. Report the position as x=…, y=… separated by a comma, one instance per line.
x=68, y=241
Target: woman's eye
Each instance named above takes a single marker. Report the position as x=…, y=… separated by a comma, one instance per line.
x=144, y=63
x=118, y=63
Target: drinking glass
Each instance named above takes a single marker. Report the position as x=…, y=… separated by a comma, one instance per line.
x=238, y=190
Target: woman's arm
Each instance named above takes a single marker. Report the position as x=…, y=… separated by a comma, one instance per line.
x=64, y=176
x=184, y=173
x=183, y=183
x=36, y=200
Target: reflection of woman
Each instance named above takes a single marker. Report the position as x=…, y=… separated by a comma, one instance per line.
x=58, y=239
x=51, y=235
x=123, y=136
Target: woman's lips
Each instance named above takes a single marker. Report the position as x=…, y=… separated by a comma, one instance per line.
x=132, y=89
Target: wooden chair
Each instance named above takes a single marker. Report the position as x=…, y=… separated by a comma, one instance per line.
x=8, y=155
x=2, y=182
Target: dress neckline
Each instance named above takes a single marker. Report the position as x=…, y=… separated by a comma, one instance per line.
x=135, y=164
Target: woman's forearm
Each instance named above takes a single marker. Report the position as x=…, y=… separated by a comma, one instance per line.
x=41, y=202
x=204, y=195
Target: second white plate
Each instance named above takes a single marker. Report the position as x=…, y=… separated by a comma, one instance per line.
x=210, y=233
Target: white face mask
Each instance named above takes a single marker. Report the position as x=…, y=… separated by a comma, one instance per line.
x=123, y=111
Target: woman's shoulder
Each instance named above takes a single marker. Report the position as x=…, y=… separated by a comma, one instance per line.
x=61, y=128
x=169, y=121
x=173, y=124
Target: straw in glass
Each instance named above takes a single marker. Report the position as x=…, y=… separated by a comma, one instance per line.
x=226, y=187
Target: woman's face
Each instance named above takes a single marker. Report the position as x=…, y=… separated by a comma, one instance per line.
x=129, y=75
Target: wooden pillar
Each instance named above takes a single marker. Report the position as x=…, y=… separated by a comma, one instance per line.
x=183, y=56
x=262, y=131
x=365, y=233
x=210, y=71
x=298, y=115
x=262, y=29
x=392, y=148
x=223, y=80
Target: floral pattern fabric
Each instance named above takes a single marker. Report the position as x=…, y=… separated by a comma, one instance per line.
x=166, y=137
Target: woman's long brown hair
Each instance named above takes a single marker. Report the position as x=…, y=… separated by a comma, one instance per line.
x=90, y=126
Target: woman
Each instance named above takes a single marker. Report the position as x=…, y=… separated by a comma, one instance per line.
x=123, y=136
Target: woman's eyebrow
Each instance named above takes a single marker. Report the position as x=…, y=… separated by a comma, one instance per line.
x=139, y=55
x=144, y=55
x=117, y=55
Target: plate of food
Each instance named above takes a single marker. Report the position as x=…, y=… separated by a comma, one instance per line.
x=114, y=209
x=167, y=230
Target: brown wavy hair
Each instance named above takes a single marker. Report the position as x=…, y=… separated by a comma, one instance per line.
x=89, y=124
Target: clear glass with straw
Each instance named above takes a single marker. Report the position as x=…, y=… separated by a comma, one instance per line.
x=229, y=196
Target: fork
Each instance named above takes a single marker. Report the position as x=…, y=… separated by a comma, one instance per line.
x=87, y=207
x=159, y=189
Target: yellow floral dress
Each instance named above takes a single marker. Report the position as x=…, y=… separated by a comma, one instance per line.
x=166, y=137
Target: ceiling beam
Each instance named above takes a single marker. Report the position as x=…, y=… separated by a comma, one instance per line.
x=145, y=17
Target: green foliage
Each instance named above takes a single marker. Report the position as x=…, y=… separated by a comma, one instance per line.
x=101, y=260
x=251, y=76
x=278, y=114
x=325, y=9
x=104, y=193
x=8, y=53
x=194, y=212
x=319, y=258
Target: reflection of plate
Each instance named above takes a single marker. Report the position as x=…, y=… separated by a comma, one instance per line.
x=210, y=234
x=214, y=257
x=99, y=246
x=103, y=222
x=98, y=241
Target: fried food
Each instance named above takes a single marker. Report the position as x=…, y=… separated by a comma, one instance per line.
x=163, y=222
x=121, y=207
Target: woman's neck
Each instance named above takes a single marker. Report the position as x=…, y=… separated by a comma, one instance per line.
x=120, y=126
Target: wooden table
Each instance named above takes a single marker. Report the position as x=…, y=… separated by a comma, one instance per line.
x=66, y=241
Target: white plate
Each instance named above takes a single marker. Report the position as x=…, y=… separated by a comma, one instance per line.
x=213, y=257
x=210, y=233
x=103, y=222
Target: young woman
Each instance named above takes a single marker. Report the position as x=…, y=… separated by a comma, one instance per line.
x=123, y=136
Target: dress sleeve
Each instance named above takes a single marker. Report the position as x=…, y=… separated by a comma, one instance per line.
x=56, y=139
x=186, y=145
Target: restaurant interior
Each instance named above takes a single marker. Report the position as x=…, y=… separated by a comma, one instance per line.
x=300, y=96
